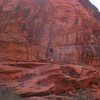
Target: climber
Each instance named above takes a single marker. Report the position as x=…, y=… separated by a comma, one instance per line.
x=51, y=55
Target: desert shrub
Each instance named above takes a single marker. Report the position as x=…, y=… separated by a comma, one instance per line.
x=7, y=93
x=83, y=94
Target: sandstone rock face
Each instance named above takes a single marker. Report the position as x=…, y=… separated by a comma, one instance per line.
x=29, y=28
x=91, y=8
x=43, y=79
x=49, y=47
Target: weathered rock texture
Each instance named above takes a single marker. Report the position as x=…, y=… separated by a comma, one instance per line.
x=34, y=33
x=29, y=28
x=44, y=79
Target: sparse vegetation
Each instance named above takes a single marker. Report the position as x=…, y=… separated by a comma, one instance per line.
x=7, y=93
x=83, y=94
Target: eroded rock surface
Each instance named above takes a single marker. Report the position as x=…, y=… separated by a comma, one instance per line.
x=49, y=79
x=29, y=28
x=49, y=47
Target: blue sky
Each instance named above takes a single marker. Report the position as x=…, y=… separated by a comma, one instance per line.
x=96, y=3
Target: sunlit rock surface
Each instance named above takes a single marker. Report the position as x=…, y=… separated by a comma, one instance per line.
x=49, y=47
x=45, y=79
x=29, y=28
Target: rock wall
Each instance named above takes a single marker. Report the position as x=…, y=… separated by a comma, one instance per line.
x=29, y=28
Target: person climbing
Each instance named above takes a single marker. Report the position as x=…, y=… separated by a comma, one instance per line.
x=51, y=55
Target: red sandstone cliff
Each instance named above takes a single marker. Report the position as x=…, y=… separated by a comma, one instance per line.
x=35, y=30
x=28, y=28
